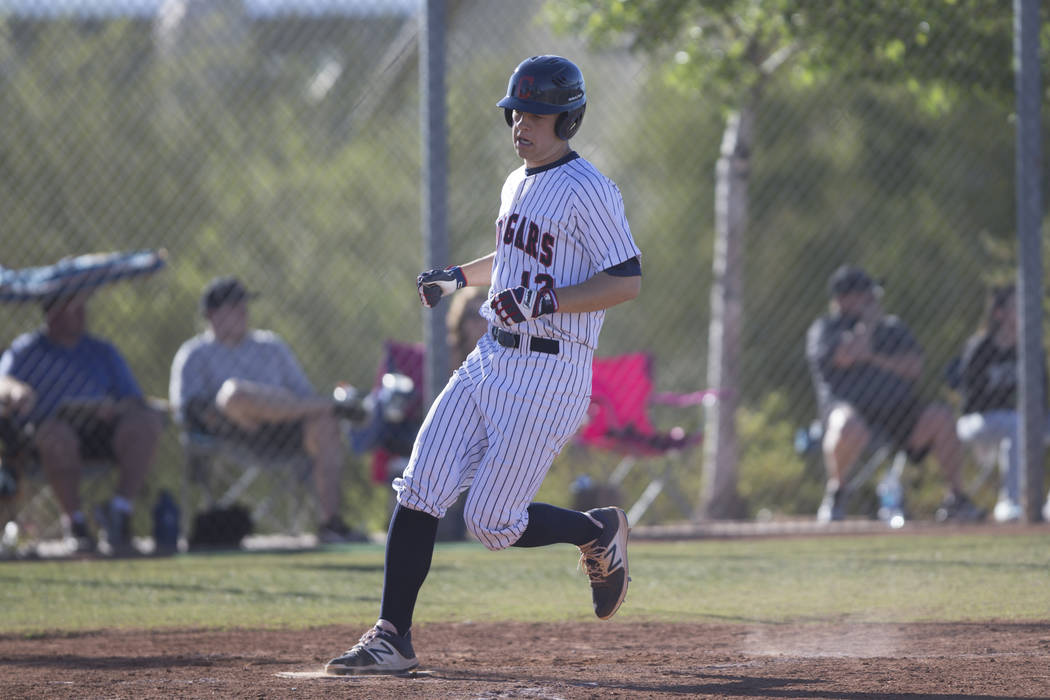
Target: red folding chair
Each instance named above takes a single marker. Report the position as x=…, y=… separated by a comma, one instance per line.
x=619, y=421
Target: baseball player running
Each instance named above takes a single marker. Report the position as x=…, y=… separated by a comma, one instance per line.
x=564, y=253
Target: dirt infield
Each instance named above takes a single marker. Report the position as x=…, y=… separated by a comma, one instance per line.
x=587, y=660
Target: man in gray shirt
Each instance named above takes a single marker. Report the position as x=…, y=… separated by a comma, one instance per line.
x=246, y=386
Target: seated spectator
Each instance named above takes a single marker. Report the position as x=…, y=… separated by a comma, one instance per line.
x=246, y=386
x=865, y=368
x=74, y=398
x=988, y=384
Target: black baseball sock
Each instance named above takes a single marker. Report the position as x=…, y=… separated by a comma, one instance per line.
x=552, y=525
x=409, y=549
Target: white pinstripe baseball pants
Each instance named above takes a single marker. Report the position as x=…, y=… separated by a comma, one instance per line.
x=503, y=417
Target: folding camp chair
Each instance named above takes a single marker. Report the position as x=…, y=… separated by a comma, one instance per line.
x=618, y=421
x=277, y=487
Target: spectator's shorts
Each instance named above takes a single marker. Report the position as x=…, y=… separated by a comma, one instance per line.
x=96, y=438
x=896, y=423
x=269, y=439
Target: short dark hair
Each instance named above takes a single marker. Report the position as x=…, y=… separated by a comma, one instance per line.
x=223, y=290
x=848, y=279
x=58, y=299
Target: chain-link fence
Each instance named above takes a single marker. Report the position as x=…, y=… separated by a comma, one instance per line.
x=279, y=142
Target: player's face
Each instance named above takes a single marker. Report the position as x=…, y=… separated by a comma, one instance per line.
x=534, y=138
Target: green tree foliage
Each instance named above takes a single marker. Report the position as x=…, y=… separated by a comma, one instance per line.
x=938, y=48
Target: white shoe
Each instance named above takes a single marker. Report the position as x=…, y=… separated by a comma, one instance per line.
x=1006, y=511
x=377, y=652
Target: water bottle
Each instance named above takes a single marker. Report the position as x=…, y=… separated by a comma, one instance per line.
x=166, y=523
x=9, y=540
x=891, y=500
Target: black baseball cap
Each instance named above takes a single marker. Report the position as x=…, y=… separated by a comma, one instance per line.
x=850, y=278
x=224, y=290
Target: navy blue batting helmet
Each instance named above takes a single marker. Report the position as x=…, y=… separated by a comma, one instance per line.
x=547, y=85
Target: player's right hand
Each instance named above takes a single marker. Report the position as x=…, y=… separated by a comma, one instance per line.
x=521, y=304
x=433, y=284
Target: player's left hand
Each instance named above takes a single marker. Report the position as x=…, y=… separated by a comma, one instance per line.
x=521, y=304
x=434, y=284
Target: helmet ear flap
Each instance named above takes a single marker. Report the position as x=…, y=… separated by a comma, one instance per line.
x=568, y=123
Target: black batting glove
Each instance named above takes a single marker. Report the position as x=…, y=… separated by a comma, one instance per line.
x=434, y=284
x=520, y=304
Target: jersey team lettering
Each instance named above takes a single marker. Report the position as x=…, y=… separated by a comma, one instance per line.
x=525, y=235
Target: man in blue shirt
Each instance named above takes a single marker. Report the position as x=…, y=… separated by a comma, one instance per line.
x=75, y=397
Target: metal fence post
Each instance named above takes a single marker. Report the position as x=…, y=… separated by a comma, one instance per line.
x=434, y=184
x=1030, y=267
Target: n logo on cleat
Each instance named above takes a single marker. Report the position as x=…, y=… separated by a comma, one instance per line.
x=614, y=561
x=382, y=650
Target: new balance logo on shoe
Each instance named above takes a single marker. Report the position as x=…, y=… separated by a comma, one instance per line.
x=615, y=562
x=380, y=650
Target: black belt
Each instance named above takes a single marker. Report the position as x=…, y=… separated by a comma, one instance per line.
x=513, y=340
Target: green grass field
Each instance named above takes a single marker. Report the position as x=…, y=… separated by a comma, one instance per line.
x=890, y=578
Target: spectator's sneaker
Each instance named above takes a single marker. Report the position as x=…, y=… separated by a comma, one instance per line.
x=377, y=652
x=335, y=531
x=1007, y=511
x=114, y=530
x=605, y=561
x=348, y=403
x=76, y=532
x=959, y=508
x=833, y=507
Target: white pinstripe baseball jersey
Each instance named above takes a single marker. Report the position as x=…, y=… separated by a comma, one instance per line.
x=506, y=412
x=559, y=225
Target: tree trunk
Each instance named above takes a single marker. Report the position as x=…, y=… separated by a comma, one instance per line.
x=719, y=498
